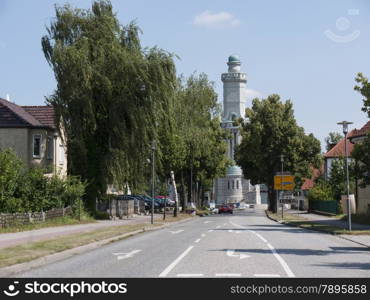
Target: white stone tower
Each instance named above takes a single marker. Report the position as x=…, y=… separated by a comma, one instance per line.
x=234, y=188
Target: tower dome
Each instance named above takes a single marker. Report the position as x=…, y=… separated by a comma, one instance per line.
x=234, y=58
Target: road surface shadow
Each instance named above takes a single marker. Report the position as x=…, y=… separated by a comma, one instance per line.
x=357, y=266
x=303, y=252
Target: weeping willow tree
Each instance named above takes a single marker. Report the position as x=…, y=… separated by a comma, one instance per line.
x=111, y=97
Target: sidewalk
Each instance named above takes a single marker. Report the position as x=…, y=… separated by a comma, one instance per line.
x=327, y=220
x=16, y=238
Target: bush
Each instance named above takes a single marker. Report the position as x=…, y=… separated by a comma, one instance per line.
x=30, y=190
x=10, y=179
x=321, y=192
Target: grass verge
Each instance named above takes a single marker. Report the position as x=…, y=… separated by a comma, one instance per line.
x=30, y=251
x=294, y=220
x=61, y=221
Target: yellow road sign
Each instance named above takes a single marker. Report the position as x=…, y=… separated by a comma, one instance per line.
x=285, y=182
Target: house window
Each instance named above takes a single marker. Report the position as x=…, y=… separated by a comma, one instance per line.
x=228, y=185
x=61, y=154
x=49, y=147
x=237, y=184
x=36, y=145
x=233, y=184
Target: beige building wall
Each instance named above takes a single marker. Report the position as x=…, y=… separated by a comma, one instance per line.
x=21, y=141
x=364, y=200
x=16, y=139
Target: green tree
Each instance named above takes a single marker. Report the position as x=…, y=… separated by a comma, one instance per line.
x=364, y=89
x=200, y=146
x=269, y=131
x=332, y=139
x=361, y=154
x=112, y=95
x=337, y=178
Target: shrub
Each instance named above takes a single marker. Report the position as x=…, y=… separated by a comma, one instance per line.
x=321, y=192
x=11, y=168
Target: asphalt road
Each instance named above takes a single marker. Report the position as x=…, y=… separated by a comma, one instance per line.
x=245, y=244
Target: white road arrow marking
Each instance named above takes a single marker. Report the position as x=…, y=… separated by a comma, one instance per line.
x=176, y=232
x=231, y=253
x=125, y=255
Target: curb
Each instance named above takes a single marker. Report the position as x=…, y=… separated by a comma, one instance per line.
x=51, y=258
x=317, y=230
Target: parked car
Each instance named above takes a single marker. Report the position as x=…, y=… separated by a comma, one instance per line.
x=148, y=202
x=225, y=209
x=165, y=201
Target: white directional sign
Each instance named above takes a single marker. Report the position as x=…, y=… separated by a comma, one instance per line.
x=124, y=255
x=232, y=253
x=176, y=232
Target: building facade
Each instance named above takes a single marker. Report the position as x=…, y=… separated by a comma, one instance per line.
x=234, y=187
x=31, y=132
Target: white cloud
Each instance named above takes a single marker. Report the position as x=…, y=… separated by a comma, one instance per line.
x=251, y=94
x=215, y=20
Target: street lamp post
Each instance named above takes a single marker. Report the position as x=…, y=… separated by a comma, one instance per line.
x=153, y=151
x=345, y=131
x=281, y=184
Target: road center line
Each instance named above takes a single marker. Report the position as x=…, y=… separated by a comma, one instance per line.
x=266, y=275
x=197, y=241
x=282, y=262
x=189, y=275
x=210, y=230
x=228, y=275
x=175, y=262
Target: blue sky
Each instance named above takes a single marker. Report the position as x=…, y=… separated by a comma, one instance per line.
x=306, y=51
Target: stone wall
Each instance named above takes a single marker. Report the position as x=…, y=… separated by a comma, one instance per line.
x=7, y=220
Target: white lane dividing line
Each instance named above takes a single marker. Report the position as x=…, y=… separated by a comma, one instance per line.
x=282, y=262
x=203, y=235
x=211, y=230
x=206, y=222
x=175, y=262
x=266, y=275
x=189, y=275
x=228, y=275
x=197, y=241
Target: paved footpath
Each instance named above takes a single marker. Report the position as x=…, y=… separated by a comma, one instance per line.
x=16, y=238
x=361, y=239
x=245, y=244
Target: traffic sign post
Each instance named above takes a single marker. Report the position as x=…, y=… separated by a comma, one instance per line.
x=283, y=183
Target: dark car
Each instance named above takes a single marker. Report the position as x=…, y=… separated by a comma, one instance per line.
x=148, y=201
x=225, y=209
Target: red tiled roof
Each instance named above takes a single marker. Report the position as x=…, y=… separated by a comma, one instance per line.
x=13, y=115
x=44, y=114
x=310, y=182
x=361, y=132
x=338, y=149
